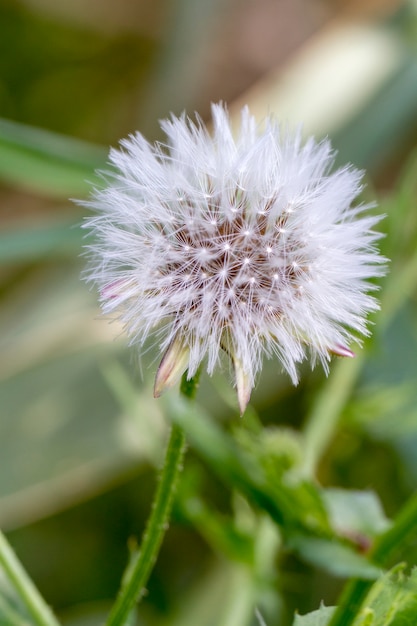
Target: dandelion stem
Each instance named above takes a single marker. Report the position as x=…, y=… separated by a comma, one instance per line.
x=24, y=587
x=140, y=567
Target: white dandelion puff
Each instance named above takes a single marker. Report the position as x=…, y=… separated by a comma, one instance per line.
x=248, y=245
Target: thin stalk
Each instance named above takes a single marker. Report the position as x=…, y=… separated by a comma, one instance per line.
x=385, y=547
x=138, y=571
x=35, y=605
x=324, y=417
x=238, y=610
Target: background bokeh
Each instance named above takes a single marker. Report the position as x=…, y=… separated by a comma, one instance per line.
x=80, y=434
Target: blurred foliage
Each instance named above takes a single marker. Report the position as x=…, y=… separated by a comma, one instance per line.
x=258, y=521
x=76, y=80
x=392, y=600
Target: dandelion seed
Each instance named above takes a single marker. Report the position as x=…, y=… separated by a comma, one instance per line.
x=251, y=246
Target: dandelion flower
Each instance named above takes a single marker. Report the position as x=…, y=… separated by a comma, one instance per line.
x=251, y=246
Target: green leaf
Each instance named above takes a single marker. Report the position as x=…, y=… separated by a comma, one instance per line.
x=9, y=616
x=279, y=453
x=392, y=600
x=31, y=242
x=46, y=162
x=321, y=617
x=355, y=513
x=291, y=502
x=12, y=610
x=333, y=556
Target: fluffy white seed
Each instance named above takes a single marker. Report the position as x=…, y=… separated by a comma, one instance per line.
x=250, y=244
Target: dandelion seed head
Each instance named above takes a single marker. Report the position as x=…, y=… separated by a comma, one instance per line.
x=251, y=245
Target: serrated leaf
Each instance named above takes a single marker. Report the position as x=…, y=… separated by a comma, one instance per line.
x=321, y=617
x=392, y=600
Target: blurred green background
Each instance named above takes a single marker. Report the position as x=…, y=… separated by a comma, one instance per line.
x=80, y=434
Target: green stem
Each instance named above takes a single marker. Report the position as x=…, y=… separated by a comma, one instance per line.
x=238, y=609
x=24, y=587
x=139, y=569
x=384, y=549
x=323, y=419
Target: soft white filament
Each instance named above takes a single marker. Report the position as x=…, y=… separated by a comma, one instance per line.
x=249, y=244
